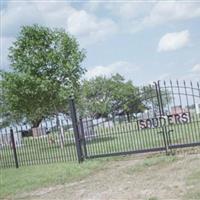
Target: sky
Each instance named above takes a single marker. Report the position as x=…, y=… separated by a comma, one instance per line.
x=144, y=41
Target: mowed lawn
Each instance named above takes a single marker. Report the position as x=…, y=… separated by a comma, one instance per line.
x=27, y=178
x=143, y=176
x=121, y=137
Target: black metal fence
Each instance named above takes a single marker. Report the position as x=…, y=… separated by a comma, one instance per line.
x=170, y=120
x=50, y=142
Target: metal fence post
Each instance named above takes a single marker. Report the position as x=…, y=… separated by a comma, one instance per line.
x=161, y=112
x=14, y=147
x=76, y=129
x=167, y=133
x=83, y=137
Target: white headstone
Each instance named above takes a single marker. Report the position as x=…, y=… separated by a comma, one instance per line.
x=197, y=108
x=18, y=138
x=88, y=128
x=39, y=131
x=4, y=139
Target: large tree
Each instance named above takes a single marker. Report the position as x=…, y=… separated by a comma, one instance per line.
x=95, y=97
x=45, y=70
x=103, y=96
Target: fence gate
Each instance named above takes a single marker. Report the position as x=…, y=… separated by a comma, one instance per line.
x=181, y=113
x=170, y=119
x=165, y=116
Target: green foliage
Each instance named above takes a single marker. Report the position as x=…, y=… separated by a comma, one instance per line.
x=46, y=68
x=32, y=98
x=96, y=97
x=127, y=98
x=102, y=96
x=150, y=98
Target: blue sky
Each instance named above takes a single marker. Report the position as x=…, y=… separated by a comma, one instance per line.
x=143, y=41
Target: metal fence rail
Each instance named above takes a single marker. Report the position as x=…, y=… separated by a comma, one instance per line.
x=48, y=143
x=170, y=120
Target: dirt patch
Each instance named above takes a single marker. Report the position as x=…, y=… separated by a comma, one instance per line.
x=148, y=178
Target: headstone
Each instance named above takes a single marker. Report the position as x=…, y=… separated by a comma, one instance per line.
x=60, y=131
x=39, y=131
x=18, y=138
x=108, y=124
x=197, y=108
x=88, y=128
x=5, y=139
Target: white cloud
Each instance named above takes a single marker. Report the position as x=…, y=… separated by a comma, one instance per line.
x=164, y=12
x=86, y=27
x=165, y=76
x=172, y=10
x=196, y=68
x=17, y=14
x=138, y=15
x=124, y=68
x=192, y=75
x=129, y=10
x=80, y=23
x=92, y=5
x=173, y=41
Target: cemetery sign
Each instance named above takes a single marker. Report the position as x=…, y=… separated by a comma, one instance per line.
x=160, y=121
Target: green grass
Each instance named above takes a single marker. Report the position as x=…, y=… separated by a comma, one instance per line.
x=29, y=178
x=126, y=137
x=152, y=161
x=193, y=182
x=153, y=198
x=122, y=137
x=40, y=150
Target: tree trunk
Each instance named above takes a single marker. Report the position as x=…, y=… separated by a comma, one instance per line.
x=128, y=117
x=35, y=130
x=113, y=118
x=36, y=123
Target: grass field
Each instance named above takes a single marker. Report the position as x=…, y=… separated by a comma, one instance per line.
x=149, y=176
x=121, y=137
x=32, y=177
x=126, y=137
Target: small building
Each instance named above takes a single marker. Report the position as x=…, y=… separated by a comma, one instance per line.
x=178, y=110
